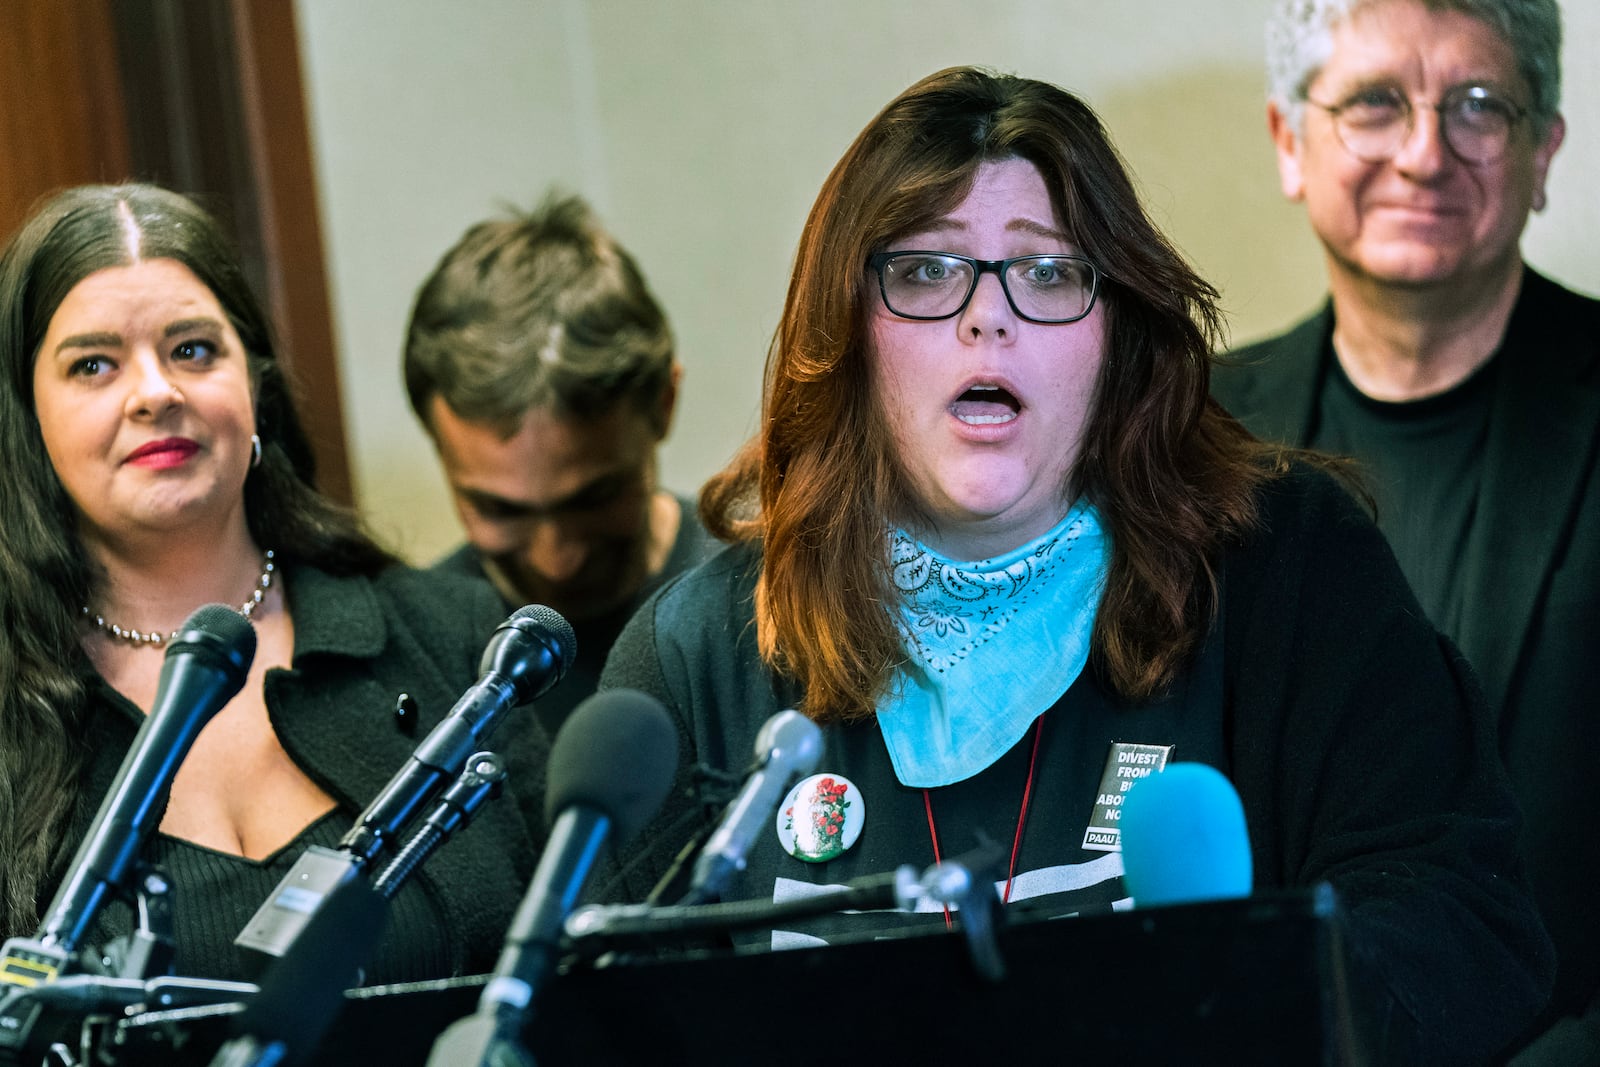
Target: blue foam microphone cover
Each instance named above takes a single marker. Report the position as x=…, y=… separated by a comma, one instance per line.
x=1184, y=838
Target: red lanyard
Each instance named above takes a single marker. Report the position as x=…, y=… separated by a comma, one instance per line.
x=1022, y=818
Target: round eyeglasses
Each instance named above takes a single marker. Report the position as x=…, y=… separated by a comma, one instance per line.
x=1476, y=122
x=939, y=285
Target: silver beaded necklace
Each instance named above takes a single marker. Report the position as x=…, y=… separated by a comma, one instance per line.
x=157, y=639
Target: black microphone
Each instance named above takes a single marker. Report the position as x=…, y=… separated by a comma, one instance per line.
x=301, y=993
x=205, y=665
x=527, y=655
x=787, y=749
x=610, y=768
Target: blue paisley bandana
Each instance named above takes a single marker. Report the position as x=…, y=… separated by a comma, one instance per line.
x=990, y=645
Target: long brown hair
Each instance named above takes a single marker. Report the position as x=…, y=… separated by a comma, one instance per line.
x=1171, y=474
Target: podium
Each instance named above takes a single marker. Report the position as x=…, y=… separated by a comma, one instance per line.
x=1254, y=981
x=1241, y=982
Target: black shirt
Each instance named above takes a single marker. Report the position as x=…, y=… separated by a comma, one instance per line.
x=1422, y=460
x=595, y=636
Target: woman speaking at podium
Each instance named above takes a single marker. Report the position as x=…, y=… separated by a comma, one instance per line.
x=993, y=536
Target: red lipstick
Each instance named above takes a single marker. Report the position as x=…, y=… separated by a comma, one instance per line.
x=162, y=454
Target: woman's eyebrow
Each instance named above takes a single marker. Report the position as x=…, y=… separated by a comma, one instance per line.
x=102, y=339
x=200, y=322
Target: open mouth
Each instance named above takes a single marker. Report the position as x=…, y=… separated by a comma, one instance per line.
x=986, y=405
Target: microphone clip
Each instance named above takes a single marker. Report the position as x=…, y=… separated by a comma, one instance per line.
x=480, y=781
x=963, y=884
x=147, y=951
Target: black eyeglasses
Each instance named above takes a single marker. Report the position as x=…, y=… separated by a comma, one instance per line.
x=939, y=285
x=1475, y=121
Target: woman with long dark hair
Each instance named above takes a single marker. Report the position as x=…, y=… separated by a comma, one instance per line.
x=154, y=463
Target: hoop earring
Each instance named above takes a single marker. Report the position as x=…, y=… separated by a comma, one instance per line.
x=255, y=451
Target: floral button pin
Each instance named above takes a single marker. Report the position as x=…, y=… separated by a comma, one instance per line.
x=820, y=818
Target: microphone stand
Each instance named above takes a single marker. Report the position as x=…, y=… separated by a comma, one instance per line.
x=303, y=992
x=594, y=930
x=46, y=989
x=480, y=781
x=61, y=1019
x=599, y=928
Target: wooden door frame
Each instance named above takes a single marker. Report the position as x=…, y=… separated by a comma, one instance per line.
x=203, y=97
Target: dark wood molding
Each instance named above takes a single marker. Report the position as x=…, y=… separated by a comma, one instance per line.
x=215, y=109
x=61, y=102
x=274, y=121
x=203, y=97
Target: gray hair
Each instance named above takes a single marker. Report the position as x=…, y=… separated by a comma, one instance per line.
x=1300, y=39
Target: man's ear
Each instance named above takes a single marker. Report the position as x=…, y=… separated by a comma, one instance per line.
x=1543, y=153
x=1291, y=176
x=668, y=403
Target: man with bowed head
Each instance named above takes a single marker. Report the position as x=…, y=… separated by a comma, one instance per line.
x=542, y=367
x=1419, y=137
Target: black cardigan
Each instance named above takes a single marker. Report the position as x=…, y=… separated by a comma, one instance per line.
x=359, y=643
x=1355, y=734
x=1531, y=580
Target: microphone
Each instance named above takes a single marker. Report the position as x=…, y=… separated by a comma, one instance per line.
x=301, y=994
x=205, y=666
x=1184, y=838
x=610, y=768
x=788, y=748
x=526, y=655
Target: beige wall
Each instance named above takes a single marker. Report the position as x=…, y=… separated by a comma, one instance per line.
x=702, y=129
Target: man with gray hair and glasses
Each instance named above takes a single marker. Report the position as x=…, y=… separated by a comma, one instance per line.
x=1467, y=386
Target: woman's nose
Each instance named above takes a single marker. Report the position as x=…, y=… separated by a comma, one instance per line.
x=989, y=311
x=153, y=391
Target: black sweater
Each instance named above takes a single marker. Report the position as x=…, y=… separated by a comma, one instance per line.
x=1355, y=734
x=1528, y=589
x=359, y=643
